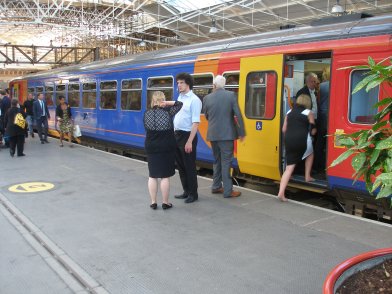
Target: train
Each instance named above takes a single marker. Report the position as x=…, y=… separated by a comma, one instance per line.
x=108, y=97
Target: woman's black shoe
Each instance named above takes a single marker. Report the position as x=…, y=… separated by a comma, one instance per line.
x=167, y=206
x=154, y=206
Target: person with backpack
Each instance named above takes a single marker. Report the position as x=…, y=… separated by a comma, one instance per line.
x=15, y=128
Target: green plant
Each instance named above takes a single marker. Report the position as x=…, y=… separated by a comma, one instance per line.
x=372, y=149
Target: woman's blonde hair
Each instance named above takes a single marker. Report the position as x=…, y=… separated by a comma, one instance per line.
x=304, y=100
x=157, y=98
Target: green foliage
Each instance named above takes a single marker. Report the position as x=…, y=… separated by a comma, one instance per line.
x=372, y=149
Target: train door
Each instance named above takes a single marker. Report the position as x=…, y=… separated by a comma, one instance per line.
x=260, y=102
x=296, y=70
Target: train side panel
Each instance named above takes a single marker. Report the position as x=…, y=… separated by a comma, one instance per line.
x=350, y=113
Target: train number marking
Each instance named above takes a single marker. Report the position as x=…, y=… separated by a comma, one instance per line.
x=31, y=187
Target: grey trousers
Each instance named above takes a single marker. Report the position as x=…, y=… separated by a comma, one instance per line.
x=223, y=154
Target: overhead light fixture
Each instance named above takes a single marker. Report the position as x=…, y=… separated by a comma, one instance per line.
x=213, y=28
x=337, y=9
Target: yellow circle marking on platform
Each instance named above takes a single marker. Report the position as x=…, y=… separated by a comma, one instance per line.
x=31, y=187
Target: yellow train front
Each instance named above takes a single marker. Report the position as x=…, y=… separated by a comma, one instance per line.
x=108, y=98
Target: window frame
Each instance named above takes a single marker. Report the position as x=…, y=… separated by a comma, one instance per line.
x=275, y=100
x=49, y=85
x=158, y=89
x=132, y=90
x=350, y=98
x=237, y=86
x=108, y=90
x=56, y=93
x=89, y=91
x=73, y=91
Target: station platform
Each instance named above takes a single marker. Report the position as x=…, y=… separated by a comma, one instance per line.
x=77, y=220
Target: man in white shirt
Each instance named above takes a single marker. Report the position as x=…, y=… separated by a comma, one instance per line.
x=186, y=124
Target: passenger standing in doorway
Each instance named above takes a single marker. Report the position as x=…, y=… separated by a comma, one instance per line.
x=41, y=116
x=15, y=128
x=225, y=124
x=160, y=146
x=186, y=124
x=322, y=123
x=28, y=109
x=298, y=143
x=64, y=119
x=309, y=89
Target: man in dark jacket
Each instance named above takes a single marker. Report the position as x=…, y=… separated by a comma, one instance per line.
x=41, y=116
x=310, y=90
x=28, y=109
x=5, y=104
x=15, y=128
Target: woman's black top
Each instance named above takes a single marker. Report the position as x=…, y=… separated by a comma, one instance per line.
x=60, y=112
x=296, y=134
x=12, y=129
x=158, y=123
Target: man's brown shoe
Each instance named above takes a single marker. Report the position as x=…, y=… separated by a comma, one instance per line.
x=217, y=191
x=234, y=194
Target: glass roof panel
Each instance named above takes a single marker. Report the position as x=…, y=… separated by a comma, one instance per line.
x=191, y=5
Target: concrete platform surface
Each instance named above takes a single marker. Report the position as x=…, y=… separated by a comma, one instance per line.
x=97, y=217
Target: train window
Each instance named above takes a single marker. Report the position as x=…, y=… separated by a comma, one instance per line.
x=163, y=84
x=89, y=95
x=202, y=85
x=49, y=95
x=131, y=94
x=30, y=90
x=39, y=90
x=131, y=84
x=108, y=95
x=361, y=103
x=73, y=95
x=60, y=91
x=232, y=81
x=260, y=95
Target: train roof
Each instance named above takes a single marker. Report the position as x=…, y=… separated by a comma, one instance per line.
x=370, y=26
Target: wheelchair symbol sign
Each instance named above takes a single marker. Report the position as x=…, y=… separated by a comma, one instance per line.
x=31, y=187
x=259, y=125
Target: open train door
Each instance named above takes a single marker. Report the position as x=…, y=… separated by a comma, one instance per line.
x=260, y=99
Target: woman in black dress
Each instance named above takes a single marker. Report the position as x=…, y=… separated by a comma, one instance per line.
x=160, y=146
x=298, y=125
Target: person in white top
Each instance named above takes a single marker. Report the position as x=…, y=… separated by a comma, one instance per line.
x=186, y=124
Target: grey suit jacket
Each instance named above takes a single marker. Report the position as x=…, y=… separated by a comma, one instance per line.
x=220, y=107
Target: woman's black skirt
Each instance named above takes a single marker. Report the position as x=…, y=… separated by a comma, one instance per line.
x=161, y=165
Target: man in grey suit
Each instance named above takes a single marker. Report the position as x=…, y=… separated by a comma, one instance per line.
x=225, y=124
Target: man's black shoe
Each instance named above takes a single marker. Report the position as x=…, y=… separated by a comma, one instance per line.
x=46, y=141
x=42, y=142
x=190, y=199
x=181, y=196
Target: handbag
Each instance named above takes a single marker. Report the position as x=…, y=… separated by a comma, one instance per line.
x=20, y=121
x=76, y=131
